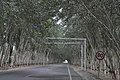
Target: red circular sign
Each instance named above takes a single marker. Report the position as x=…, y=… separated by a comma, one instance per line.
x=100, y=55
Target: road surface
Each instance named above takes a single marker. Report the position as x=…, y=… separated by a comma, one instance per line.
x=48, y=72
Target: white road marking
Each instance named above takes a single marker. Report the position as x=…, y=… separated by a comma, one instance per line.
x=27, y=76
x=69, y=72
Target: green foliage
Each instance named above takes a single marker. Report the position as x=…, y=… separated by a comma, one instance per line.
x=99, y=19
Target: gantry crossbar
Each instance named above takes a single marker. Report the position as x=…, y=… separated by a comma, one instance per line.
x=63, y=43
x=75, y=39
x=66, y=38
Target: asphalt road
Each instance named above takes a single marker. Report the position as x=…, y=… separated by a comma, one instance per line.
x=48, y=72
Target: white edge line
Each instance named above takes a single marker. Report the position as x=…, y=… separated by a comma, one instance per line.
x=69, y=72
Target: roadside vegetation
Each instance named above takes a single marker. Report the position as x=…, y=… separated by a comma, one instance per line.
x=25, y=25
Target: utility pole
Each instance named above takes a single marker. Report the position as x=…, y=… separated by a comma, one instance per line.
x=85, y=55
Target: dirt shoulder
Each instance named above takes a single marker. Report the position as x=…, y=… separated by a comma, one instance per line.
x=89, y=75
x=18, y=67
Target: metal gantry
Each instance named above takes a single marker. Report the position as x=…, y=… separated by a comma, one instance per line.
x=79, y=41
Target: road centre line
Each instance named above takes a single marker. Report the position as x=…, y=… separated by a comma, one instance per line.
x=69, y=72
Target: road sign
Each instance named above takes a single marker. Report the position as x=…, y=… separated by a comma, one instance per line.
x=100, y=55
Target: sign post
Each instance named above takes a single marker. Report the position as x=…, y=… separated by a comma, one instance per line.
x=100, y=55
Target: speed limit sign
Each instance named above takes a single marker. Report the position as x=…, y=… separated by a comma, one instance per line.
x=100, y=55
